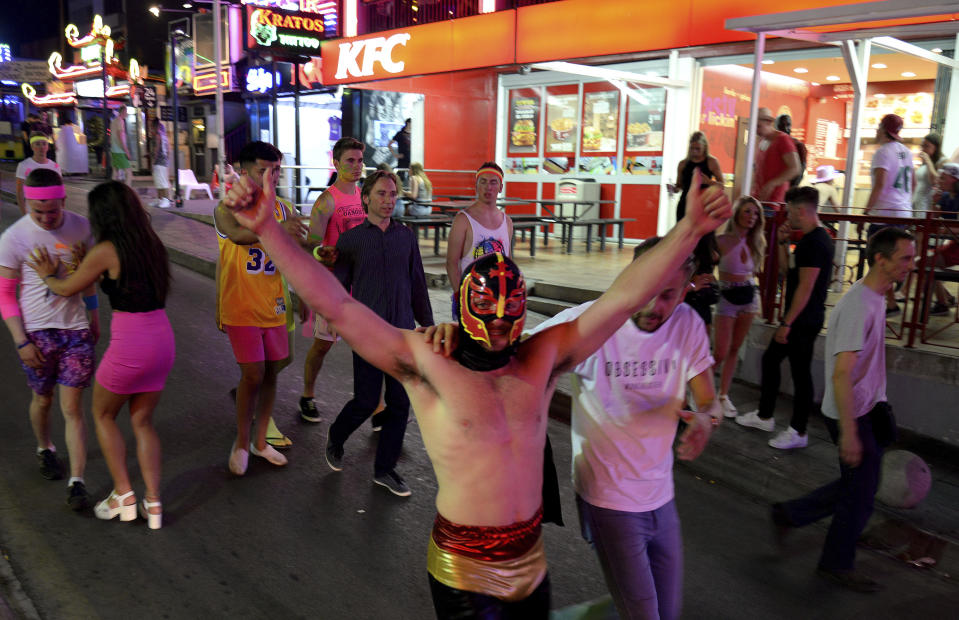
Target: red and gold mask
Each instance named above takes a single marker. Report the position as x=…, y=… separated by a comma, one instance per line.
x=492, y=288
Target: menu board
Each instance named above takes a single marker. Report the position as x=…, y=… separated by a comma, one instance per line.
x=914, y=108
x=600, y=121
x=645, y=116
x=524, y=104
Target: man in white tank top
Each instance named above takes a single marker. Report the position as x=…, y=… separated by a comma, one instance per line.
x=481, y=228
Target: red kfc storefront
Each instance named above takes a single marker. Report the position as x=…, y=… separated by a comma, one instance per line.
x=604, y=92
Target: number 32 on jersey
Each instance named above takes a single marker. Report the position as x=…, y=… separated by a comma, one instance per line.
x=259, y=262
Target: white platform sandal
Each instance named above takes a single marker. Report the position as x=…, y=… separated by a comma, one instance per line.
x=126, y=512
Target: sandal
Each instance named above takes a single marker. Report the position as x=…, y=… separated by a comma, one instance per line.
x=154, y=519
x=126, y=512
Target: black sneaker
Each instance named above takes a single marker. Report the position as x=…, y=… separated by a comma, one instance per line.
x=376, y=422
x=50, y=466
x=938, y=309
x=308, y=409
x=394, y=483
x=851, y=580
x=77, y=498
x=334, y=456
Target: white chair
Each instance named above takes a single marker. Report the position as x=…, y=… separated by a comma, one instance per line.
x=188, y=183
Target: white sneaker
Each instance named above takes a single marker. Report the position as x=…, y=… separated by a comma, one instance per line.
x=729, y=409
x=752, y=419
x=164, y=203
x=789, y=439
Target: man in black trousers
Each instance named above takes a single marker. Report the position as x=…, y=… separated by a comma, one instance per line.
x=808, y=270
x=379, y=262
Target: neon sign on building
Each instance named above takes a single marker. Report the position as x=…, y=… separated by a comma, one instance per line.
x=273, y=28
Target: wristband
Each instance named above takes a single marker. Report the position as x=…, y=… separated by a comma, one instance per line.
x=91, y=302
x=20, y=346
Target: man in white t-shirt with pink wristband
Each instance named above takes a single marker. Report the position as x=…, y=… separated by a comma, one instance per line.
x=628, y=398
x=54, y=336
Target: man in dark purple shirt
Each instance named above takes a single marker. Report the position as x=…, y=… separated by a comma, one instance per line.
x=379, y=262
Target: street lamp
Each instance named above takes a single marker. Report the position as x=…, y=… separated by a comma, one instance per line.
x=218, y=68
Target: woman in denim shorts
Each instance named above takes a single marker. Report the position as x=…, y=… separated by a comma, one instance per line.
x=741, y=248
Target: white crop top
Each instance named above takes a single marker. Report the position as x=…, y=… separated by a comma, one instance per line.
x=737, y=260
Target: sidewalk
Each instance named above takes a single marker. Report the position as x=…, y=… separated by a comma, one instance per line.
x=736, y=456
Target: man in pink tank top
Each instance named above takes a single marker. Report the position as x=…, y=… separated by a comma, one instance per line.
x=337, y=210
x=481, y=228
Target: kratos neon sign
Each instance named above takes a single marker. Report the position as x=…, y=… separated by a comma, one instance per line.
x=357, y=58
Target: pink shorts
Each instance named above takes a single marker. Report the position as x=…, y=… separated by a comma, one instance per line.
x=257, y=344
x=140, y=354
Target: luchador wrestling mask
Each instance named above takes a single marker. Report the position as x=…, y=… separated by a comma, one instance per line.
x=492, y=288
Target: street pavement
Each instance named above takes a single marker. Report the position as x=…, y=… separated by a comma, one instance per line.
x=304, y=541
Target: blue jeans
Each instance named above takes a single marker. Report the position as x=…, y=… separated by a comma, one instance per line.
x=642, y=557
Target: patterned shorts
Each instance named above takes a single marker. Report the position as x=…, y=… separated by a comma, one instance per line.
x=68, y=359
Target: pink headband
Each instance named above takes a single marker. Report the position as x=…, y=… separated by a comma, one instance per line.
x=49, y=192
x=489, y=170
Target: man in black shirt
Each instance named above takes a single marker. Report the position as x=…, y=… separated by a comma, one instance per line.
x=379, y=263
x=808, y=270
x=401, y=152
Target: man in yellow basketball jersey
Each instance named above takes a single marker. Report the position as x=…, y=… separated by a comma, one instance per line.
x=252, y=309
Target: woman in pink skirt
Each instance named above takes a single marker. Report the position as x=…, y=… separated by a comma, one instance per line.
x=135, y=272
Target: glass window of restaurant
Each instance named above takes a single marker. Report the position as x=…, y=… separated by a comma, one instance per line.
x=555, y=125
x=813, y=87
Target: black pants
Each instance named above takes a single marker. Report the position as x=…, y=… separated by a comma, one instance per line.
x=798, y=348
x=367, y=382
x=849, y=500
x=453, y=604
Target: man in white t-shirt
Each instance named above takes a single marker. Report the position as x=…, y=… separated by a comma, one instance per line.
x=54, y=336
x=628, y=398
x=41, y=145
x=855, y=411
x=893, y=178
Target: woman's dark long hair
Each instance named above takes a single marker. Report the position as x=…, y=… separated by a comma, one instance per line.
x=116, y=215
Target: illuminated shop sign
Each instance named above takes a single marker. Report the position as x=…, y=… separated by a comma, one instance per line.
x=206, y=82
x=357, y=58
x=260, y=80
x=284, y=77
x=5, y=55
x=292, y=31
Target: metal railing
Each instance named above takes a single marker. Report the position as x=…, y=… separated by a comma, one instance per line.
x=929, y=232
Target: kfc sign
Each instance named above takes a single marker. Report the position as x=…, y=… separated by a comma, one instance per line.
x=358, y=57
x=453, y=45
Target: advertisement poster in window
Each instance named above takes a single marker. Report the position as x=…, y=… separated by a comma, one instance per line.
x=524, y=104
x=645, y=115
x=562, y=108
x=600, y=129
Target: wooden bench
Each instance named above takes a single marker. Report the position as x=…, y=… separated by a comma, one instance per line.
x=599, y=223
x=438, y=223
x=522, y=224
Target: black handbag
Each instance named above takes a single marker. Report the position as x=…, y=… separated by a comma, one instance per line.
x=739, y=295
x=883, y=421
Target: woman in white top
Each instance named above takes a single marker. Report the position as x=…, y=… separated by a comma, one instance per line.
x=927, y=175
x=741, y=249
x=41, y=145
x=421, y=189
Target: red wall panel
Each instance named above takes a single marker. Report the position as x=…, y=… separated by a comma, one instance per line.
x=640, y=202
